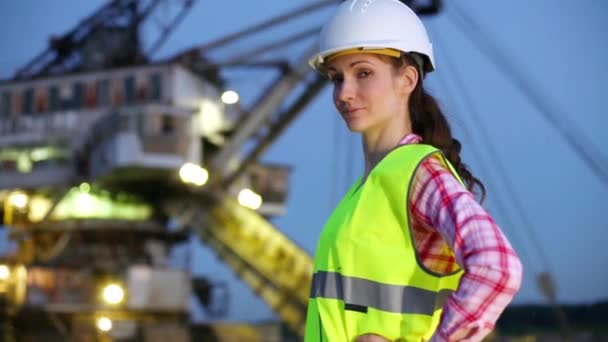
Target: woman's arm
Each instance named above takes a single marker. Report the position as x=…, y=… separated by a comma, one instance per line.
x=492, y=269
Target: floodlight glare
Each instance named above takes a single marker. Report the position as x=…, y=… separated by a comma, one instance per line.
x=248, y=198
x=104, y=324
x=230, y=97
x=113, y=294
x=5, y=272
x=85, y=187
x=18, y=199
x=192, y=173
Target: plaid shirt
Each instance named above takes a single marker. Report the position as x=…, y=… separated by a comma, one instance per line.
x=450, y=228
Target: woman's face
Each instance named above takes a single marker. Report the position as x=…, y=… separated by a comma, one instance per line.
x=369, y=93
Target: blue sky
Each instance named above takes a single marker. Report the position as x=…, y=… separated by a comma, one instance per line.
x=561, y=49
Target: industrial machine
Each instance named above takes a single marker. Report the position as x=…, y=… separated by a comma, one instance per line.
x=110, y=158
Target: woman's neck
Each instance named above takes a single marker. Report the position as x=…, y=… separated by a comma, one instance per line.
x=376, y=145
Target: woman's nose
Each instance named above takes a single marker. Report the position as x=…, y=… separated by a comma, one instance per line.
x=345, y=91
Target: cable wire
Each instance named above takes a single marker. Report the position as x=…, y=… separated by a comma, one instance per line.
x=572, y=134
x=470, y=107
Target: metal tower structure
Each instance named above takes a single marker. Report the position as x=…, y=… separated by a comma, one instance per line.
x=110, y=157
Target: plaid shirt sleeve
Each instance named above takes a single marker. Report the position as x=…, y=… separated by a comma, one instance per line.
x=492, y=269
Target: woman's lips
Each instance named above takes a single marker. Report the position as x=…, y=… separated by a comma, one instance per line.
x=351, y=112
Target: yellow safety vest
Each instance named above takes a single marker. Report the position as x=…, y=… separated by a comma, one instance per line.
x=367, y=275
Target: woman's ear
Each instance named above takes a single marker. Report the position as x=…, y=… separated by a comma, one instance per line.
x=408, y=77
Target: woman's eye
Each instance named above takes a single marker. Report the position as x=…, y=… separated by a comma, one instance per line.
x=336, y=79
x=363, y=74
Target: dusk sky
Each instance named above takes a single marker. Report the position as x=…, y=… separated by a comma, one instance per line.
x=545, y=196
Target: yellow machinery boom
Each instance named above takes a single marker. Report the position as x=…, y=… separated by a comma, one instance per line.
x=277, y=269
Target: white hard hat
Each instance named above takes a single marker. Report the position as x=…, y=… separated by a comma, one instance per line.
x=376, y=26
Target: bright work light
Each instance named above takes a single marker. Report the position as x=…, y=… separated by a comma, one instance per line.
x=104, y=324
x=230, y=97
x=18, y=199
x=5, y=272
x=248, y=198
x=194, y=174
x=113, y=294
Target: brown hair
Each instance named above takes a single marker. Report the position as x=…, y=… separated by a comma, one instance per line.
x=429, y=122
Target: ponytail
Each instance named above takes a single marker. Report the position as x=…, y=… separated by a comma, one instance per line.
x=429, y=122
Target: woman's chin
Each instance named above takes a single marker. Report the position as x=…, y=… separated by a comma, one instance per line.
x=355, y=126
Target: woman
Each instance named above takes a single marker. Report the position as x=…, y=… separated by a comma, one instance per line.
x=408, y=254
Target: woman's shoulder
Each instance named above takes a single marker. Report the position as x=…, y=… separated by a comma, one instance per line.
x=434, y=172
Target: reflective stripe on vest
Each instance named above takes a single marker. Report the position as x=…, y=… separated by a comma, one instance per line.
x=368, y=293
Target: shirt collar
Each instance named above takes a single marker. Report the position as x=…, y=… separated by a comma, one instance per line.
x=410, y=138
